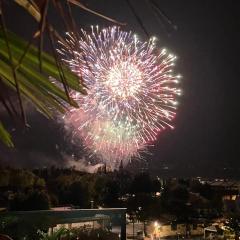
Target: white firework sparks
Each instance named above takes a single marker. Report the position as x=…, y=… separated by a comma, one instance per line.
x=132, y=92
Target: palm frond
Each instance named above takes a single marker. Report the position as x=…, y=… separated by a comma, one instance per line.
x=26, y=69
x=5, y=136
x=31, y=9
x=33, y=85
x=57, y=234
x=79, y=4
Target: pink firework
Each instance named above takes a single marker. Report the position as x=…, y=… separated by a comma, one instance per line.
x=132, y=92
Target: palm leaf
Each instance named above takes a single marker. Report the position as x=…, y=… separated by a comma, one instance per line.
x=49, y=66
x=33, y=85
x=56, y=234
x=32, y=9
x=26, y=69
x=5, y=136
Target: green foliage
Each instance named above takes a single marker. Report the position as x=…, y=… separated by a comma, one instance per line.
x=4, y=177
x=60, y=233
x=111, y=193
x=142, y=184
x=70, y=187
x=37, y=229
x=78, y=194
x=175, y=201
x=30, y=200
x=20, y=179
x=8, y=225
x=94, y=234
x=23, y=190
x=24, y=228
x=205, y=190
x=233, y=226
x=97, y=191
x=213, y=197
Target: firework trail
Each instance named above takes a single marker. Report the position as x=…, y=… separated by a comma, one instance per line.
x=132, y=92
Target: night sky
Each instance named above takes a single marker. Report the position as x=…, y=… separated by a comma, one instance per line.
x=207, y=43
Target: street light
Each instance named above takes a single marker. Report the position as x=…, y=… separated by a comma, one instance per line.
x=156, y=224
x=92, y=204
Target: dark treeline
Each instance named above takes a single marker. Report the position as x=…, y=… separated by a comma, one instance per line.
x=143, y=196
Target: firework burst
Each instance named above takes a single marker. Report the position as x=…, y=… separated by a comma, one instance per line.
x=132, y=92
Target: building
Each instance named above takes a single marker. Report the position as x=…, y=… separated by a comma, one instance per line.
x=69, y=218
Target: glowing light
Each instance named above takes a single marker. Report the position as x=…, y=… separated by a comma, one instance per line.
x=131, y=92
x=156, y=224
